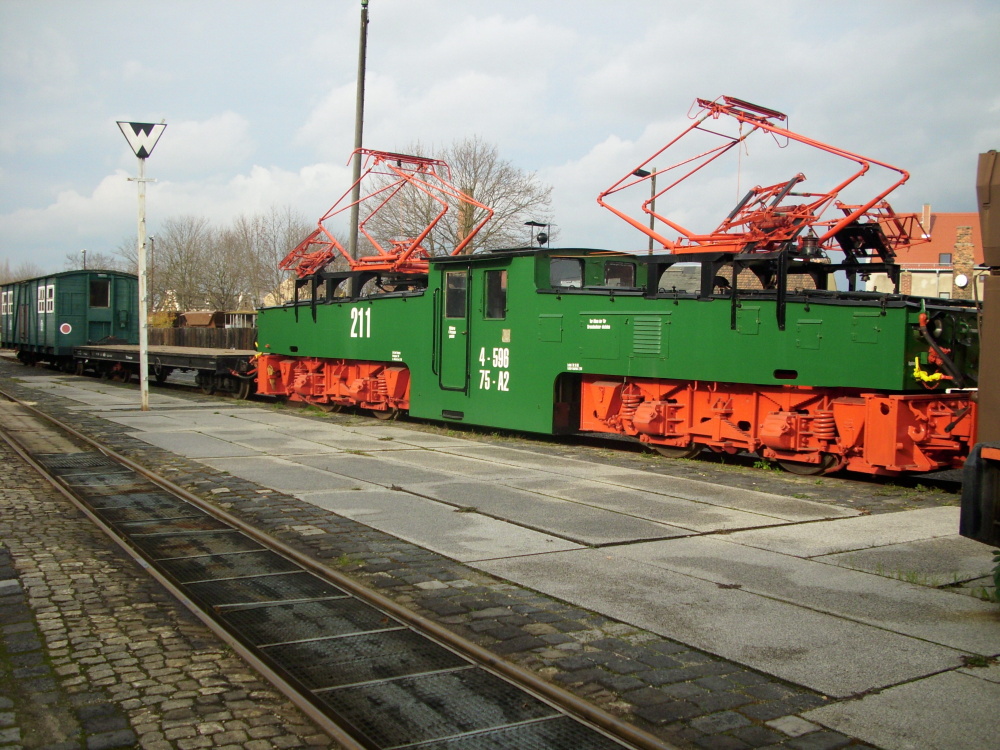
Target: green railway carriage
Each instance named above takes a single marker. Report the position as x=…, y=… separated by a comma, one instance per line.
x=656, y=347
x=45, y=317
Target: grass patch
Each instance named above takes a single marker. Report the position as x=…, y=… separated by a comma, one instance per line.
x=765, y=465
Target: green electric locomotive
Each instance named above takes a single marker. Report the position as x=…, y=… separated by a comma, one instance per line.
x=559, y=341
x=733, y=340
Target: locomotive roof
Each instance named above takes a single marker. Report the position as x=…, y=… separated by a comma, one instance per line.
x=518, y=252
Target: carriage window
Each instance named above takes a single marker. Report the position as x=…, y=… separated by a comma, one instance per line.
x=619, y=274
x=566, y=272
x=50, y=298
x=454, y=299
x=40, y=305
x=100, y=292
x=496, y=295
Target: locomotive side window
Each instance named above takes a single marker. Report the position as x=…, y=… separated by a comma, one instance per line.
x=566, y=272
x=496, y=295
x=100, y=292
x=454, y=298
x=619, y=274
x=681, y=277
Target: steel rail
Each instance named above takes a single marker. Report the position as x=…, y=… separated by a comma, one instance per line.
x=324, y=722
x=563, y=700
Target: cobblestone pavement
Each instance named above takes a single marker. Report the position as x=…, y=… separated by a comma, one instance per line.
x=95, y=654
x=687, y=697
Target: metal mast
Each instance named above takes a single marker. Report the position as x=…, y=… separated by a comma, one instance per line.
x=359, y=116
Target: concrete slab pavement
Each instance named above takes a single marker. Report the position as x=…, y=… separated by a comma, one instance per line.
x=578, y=523
x=679, y=512
x=848, y=534
x=747, y=499
x=827, y=653
x=443, y=529
x=933, y=615
x=194, y=444
x=806, y=591
x=942, y=712
x=284, y=475
x=941, y=561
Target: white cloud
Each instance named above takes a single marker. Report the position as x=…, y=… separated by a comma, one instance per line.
x=190, y=148
x=98, y=221
x=579, y=92
x=135, y=71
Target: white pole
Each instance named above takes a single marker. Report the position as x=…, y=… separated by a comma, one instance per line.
x=143, y=323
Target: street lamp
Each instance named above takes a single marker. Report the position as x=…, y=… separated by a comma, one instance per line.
x=542, y=237
x=652, y=201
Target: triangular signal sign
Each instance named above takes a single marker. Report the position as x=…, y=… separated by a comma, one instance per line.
x=142, y=136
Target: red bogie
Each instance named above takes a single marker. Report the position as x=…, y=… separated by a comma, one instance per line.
x=378, y=386
x=829, y=428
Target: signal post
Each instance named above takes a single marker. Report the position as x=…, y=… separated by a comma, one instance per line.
x=142, y=137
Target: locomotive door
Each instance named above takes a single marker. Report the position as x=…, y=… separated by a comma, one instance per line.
x=99, y=308
x=453, y=332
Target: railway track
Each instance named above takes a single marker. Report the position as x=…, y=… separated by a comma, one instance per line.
x=369, y=672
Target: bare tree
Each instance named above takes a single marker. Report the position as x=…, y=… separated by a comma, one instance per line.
x=268, y=237
x=99, y=261
x=127, y=254
x=182, y=249
x=26, y=269
x=227, y=275
x=477, y=170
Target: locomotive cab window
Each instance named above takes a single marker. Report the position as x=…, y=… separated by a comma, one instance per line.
x=456, y=283
x=566, y=273
x=100, y=292
x=496, y=295
x=619, y=274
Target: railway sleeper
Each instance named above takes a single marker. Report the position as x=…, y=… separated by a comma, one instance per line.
x=806, y=430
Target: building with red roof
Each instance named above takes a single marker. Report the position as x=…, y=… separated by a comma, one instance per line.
x=949, y=264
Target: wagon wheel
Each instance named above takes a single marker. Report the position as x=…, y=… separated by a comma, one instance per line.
x=679, y=451
x=330, y=407
x=245, y=389
x=207, y=383
x=78, y=370
x=386, y=415
x=160, y=374
x=809, y=470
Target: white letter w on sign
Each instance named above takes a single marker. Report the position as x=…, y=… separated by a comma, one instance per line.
x=142, y=136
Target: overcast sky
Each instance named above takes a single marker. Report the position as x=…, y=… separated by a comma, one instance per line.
x=258, y=98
